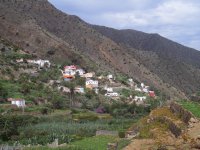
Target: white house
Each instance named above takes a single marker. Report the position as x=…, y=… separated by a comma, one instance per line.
x=20, y=60
x=30, y=61
x=96, y=90
x=108, y=89
x=138, y=89
x=112, y=94
x=79, y=90
x=140, y=98
x=91, y=84
x=40, y=63
x=69, y=72
x=80, y=71
x=18, y=102
x=110, y=76
x=142, y=85
x=88, y=75
x=64, y=89
x=101, y=77
x=130, y=80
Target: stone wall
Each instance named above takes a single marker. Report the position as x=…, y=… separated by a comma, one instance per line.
x=175, y=129
x=195, y=98
x=105, y=132
x=184, y=114
x=9, y=148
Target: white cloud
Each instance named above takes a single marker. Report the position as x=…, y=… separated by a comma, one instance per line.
x=170, y=12
x=177, y=12
x=174, y=19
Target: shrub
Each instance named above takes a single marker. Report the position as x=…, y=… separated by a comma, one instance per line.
x=126, y=92
x=9, y=125
x=3, y=91
x=45, y=110
x=123, y=79
x=121, y=134
x=85, y=116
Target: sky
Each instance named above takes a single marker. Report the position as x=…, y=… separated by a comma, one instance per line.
x=178, y=20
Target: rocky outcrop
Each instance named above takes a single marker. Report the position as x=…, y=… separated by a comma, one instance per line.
x=172, y=126
x=184, y=114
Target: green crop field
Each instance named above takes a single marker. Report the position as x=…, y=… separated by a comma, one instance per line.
x=193, y=107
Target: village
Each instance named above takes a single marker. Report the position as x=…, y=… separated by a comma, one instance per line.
x=104, y=84
x=70, y=101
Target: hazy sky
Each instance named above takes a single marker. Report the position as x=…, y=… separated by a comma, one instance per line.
x=178, y=20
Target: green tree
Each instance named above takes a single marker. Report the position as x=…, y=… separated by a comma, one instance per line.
x=3, y=91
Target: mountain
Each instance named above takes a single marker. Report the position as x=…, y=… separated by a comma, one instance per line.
x=174, y=63
x=39, y=28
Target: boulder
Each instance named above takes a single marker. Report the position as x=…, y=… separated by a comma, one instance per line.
x=193, y=120
x=198, y=137
x=190, y=125
x=112, y=146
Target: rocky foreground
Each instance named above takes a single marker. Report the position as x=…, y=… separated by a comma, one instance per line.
x=166, y=128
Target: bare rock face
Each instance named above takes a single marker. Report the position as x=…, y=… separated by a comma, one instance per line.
x=193, y=120
x=196, y=144
x=198, y=137
x=190, y=126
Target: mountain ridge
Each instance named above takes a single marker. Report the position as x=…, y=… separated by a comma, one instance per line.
x=40, y=28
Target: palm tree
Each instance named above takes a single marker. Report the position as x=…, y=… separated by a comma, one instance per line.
x=71, y=86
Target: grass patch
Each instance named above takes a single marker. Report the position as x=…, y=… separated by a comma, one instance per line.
x=164, y=112
x=90, y=143
x=85, y=116
x=193, y=107
x=123, y=143
x=97, y=142
x=145, y=131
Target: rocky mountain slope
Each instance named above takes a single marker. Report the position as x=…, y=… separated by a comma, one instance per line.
x=174, y=63
x=40, y=28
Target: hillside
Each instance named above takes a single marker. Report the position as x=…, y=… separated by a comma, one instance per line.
x=174, y=63
x=40, y=28
x=38, y=107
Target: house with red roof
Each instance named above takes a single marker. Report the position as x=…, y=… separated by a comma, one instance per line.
x=152, y=94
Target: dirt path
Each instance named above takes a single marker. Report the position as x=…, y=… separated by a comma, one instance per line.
x=194, y=132
x=140, y=144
